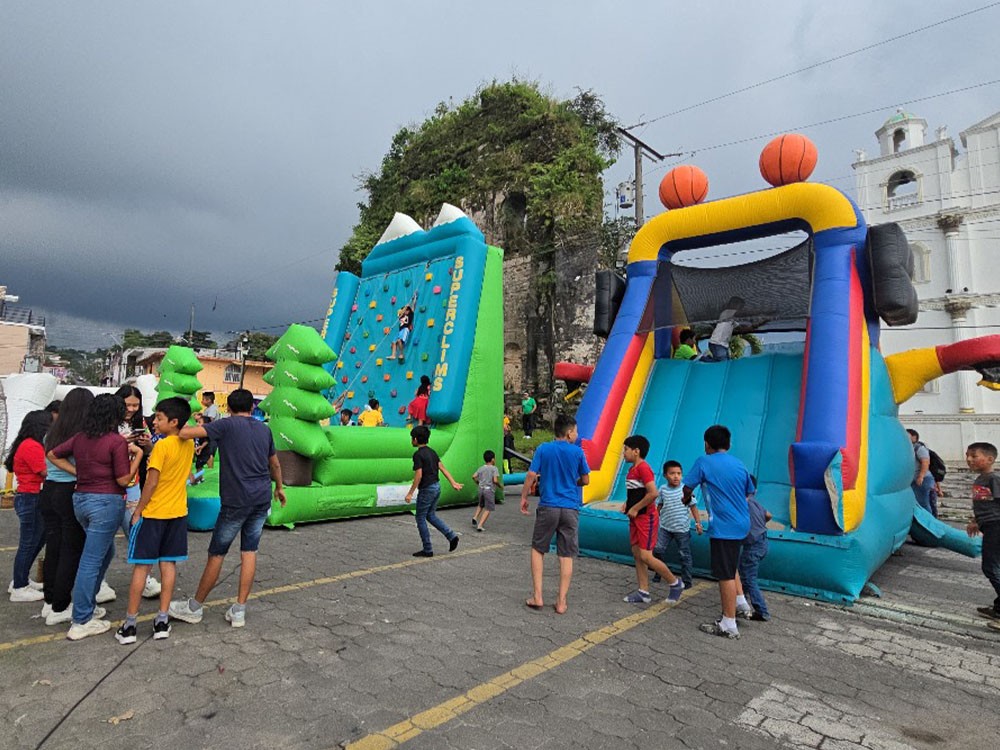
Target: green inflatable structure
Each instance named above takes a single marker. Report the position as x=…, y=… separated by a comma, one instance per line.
x=453, y=283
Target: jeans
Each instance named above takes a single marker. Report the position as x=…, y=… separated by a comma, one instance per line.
x=245, y=520
x=753, y=553
x=665, y=539
x=922, y=492
x=64, y=540
x=991, y=558
x=717, y=353
x=427, y=500
x=32, y=536
x=528, y=422
x=100, y=516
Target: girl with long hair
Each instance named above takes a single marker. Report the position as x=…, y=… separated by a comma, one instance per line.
x=26, y=461
x=64, y=536
x=105, y=466
x=133, y=429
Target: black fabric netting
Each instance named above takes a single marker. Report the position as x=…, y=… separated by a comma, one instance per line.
x=775, y=291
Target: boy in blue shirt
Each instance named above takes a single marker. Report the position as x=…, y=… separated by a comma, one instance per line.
x=726, y=485
x=564, y=466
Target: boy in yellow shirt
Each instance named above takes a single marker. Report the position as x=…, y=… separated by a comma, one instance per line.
x=159, y=523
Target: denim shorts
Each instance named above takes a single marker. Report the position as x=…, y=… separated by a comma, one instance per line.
x=247, y=521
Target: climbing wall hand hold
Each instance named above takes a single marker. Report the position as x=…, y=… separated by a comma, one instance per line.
x=353, y=349
x=347, y=337
x=430, y=322
x=392, y=300
x=378, y=317
x=364, y=378
x=387, y=377
x=385, y=330
x=350, y=394
x=409, y=375
x=356, y=409
x=357, y=365
x=364, y=335
x=423, y=357
x=428, y=277
x=392, y=393
x=354, y=308
x=378, y=362
x=402, y=410
x=372, y=304
x=423, y=308
x=344, y=380
x=436, y=290
x=340, y=365
x=371, y=347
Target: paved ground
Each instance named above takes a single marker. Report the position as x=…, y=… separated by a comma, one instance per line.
x=355, y=641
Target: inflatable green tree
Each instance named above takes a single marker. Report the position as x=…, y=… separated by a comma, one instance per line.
x=296, y=405
x=178, y=372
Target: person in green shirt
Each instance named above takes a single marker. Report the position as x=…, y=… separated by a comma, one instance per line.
x=688, y=348
x=528, y=408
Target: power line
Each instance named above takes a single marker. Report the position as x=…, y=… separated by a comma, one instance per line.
x=815, y=65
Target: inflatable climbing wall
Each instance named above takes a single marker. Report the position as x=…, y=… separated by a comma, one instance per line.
x=452, y=281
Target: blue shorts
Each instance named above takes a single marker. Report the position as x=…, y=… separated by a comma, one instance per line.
x=247, y=521
x=403, y=334
x=154, y=540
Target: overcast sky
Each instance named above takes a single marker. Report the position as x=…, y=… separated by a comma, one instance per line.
x=158, y=154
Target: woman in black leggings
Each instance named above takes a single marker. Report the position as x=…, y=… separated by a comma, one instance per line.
x=64, y=537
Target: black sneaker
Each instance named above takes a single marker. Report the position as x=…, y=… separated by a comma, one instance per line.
x=453, y=545
x=989, y=612
x=125, y=634
x=161, y=630
x=423, y=553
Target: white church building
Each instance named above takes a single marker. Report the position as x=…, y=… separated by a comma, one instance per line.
x=946, y=197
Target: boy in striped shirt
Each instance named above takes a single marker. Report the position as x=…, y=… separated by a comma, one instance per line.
x=675, y=520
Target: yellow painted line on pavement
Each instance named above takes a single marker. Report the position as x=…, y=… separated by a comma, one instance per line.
x=451, y=709
x=287, y=588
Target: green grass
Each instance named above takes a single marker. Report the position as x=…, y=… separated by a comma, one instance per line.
x=527, y=447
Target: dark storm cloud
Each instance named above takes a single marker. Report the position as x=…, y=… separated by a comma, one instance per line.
x=154, y=155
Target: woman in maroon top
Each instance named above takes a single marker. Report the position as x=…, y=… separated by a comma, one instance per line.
x=103, y=470
x=27, y=462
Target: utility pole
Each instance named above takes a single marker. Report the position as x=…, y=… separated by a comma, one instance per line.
x=244, y=351
x=640, y=150
x=191, y=327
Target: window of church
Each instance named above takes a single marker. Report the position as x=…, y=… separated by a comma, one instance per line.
x=899, y=141
x=232, y=374
x=921, y=263
x=902, y=189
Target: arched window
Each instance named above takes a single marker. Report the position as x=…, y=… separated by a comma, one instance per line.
x=232, y=374
x=902, y=189
x=898, y=141
x=921, y=262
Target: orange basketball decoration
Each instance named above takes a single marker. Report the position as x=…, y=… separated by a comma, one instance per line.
x=788, y=158
x=682, y=186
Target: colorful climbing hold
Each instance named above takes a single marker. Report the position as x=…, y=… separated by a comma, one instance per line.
x=356, y=409
x=379, y=316
x=430, y=322
x=423, y=308
x=357, y=365
x=385, y=330
x=423, y=357
x=392, y=393
x=371, y=348
x=354, y=349
x=392, y=300
x=372, y=304
x=428, y=277
x=387, y=377
x=347, y=337
x=350, y=394
x=344, y=380
x=364, y=378
x=378, y=362
x=354, y=307
x=402, y=410
x=409, y=374
x=436, y=290
x=364, y=334
x=340, y=365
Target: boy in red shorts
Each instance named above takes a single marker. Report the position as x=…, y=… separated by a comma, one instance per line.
x=644, y=522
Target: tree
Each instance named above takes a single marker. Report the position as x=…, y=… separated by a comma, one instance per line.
x=201, y=340
x=259, y=344
x=530, y=162
x=133, y=338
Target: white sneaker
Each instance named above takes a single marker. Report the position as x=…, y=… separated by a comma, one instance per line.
x=236, y=619
x=26, y=594
x=152, y=588
x=46, y=610
x=105, y=594
x=31, y=585
x=57, y=618
x=93, y=627
x=180, y=610
x=99, y=613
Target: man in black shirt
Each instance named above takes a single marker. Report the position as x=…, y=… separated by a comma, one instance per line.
x=427, y=487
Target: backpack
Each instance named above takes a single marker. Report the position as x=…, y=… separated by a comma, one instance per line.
x=937, y=468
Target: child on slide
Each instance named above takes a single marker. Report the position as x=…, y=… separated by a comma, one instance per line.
x=405, y=315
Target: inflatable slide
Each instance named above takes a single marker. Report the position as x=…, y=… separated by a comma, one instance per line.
x=817, y=426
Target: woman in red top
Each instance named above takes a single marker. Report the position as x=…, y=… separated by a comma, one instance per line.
x=418, y=406
x=27, y=461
